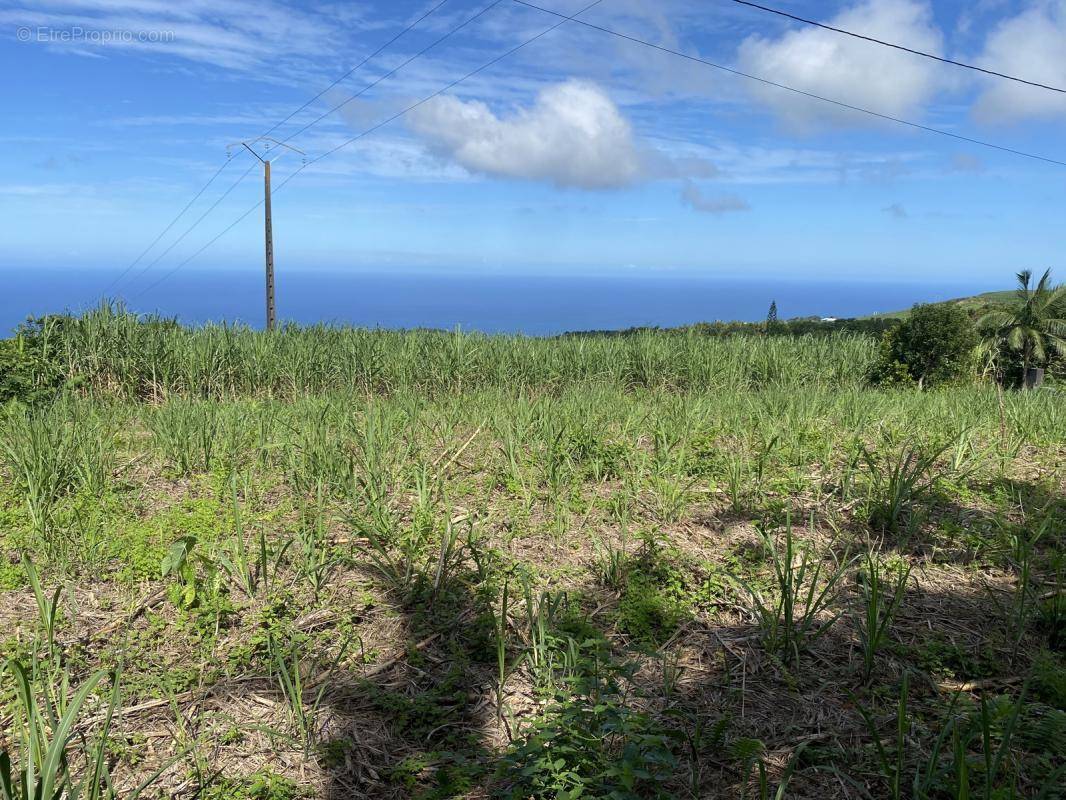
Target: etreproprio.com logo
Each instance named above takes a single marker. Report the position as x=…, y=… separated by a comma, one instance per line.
x=78, y=34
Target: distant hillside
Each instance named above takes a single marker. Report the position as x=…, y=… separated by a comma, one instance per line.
x=973, y=303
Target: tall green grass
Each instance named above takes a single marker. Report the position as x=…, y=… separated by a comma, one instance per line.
x=120, y=352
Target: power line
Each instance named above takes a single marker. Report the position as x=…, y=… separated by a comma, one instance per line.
x=388, y=75
x=166, y=230
x=441, y=91
x=899, y=47
x=358, y=66
x=321, y=117
x=768, y=82
x=563, y=19
x=369, y=131
x=273, y=128
x=144, y=270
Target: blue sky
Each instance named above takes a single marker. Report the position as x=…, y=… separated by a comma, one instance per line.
x=579, y=153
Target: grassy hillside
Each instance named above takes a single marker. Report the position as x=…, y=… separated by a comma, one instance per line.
x=337, y=564
x=974, y=303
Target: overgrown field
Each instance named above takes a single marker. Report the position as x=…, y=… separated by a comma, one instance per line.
x=336, y=563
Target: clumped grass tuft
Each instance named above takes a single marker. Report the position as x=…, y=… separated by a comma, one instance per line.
x=800, y=609
x=898, y=482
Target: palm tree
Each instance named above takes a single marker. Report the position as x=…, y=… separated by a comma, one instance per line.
x=1033, y=324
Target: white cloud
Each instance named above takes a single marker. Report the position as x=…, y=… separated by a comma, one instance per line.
x=1031, y=45
x=843, y=68
x=573, y=135
x=698, y=201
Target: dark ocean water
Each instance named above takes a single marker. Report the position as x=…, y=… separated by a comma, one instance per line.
x=491, y=302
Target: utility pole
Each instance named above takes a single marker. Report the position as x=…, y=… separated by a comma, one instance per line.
x=268, y=224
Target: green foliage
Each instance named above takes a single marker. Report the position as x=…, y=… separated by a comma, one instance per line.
x=655, y=599
x=30, y=368
x=187, y=432
x=589, y=743
x=880, y=604
x=794, y=617
x=437, y=775
x=1032, y=327
x=974, y=752
x=435, y=494
x=45, y=731
x=889, y=372
x=261, y=785
x=53, y=453
x=898, y=481
x=292, y=673
x=194, y=573
x=139, y=357
x=1050, y=614
x=1049, y=679
x=433, y=709
x=795, y=327
x=46, y=754
x=935, y=345
x=773, y=325
x=750, y=755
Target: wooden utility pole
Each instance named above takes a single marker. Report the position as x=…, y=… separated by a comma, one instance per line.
x=271, y=311
x=268, y=225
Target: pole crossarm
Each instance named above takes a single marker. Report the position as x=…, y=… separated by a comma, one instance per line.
x=270, y=143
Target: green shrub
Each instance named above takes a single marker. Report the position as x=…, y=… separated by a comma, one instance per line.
x=1051, y=620
x=591, y=744
x=29, y=368
x=934, y=345
x=1049, y=680
x=656, y=597
x=262, y=785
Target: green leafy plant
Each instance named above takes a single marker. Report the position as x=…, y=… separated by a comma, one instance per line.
x=542, y=614
x=180, y=563
x=189, y=433
x=950, y=766
x=612, y=564
x=892, y=762
x=50, y=751
x=314, y=553
x=589, y=743
x=749, y=752
x=798, y=612
x=1024, y=601
x=31, y=371
x=252, y=569
x=47, y=609
x=882, y=594
x=898, y=481
x=44, y=734
x=288, y=668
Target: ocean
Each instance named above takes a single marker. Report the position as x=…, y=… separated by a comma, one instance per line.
x=493, y=303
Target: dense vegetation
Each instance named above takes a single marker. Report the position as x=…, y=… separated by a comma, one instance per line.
x=798, y=326
x=936, y=344
x=338, y=563
x=124, y=355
